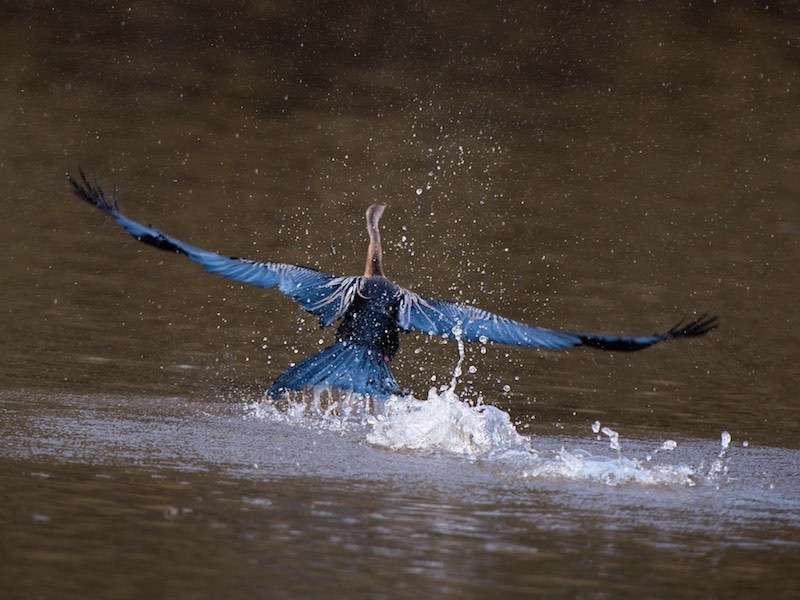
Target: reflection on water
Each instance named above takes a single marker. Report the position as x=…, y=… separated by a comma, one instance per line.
x=609, y=167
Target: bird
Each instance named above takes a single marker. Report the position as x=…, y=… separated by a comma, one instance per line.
x=371, y=311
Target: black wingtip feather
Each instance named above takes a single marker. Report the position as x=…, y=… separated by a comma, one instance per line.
x=699, y=326
x=92, y=192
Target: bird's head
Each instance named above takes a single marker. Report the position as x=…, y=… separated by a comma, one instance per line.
x=374, y=213
x=374, y=254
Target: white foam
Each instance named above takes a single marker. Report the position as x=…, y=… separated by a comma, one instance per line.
x=578, y=465
x=445, y=422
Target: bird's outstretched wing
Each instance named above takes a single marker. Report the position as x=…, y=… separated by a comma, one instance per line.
x=322, y=294
x=439, y=317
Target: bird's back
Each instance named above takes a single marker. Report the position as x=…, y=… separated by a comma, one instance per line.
x=372, y=317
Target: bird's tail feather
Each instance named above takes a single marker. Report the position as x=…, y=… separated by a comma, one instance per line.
x=344, y=365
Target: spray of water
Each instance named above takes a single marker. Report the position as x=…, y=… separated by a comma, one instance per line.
x=446, y=422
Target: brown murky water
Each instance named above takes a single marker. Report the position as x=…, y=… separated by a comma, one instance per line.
x=593, y=167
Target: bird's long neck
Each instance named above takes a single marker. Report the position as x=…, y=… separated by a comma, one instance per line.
x=374, y=253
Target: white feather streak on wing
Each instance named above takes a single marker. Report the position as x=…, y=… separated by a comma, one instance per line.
x=328, y=296
x=346, y=289
x=411, y=301
x=413, y=304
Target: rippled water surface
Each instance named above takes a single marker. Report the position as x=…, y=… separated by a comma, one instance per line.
x=596, y=167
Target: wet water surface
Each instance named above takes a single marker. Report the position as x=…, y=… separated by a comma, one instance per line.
x=163, y=497
x=598, y=167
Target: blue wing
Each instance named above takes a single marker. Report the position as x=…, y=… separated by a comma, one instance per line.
x=322, y=294
x=439, y=317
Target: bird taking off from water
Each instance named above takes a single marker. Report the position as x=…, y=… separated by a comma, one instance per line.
x=372, y=310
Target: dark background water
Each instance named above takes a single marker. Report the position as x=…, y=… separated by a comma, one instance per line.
x=594, y=166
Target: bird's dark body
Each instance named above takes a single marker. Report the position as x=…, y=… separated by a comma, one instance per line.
x=372, y=311
x=372, y=317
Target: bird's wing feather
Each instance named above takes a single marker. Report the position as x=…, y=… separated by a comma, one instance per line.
x=471, y=324
x=439, y=317
x=322, y=294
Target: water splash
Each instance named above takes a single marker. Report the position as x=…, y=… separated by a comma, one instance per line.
x=579, y=465
x=320, y=408
x=719, y=466
x=457, y=370
x=668, y=445
x=613, y=436
x=484, y=434
x=444, y=423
